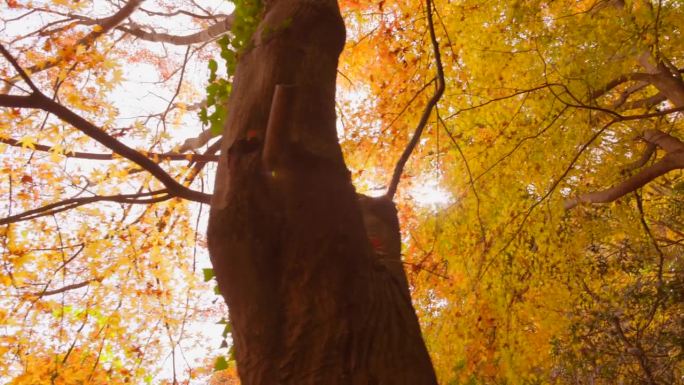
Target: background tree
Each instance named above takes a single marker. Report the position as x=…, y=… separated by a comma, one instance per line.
x=518, y=273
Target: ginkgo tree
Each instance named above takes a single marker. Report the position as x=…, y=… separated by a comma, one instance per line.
x=525, y=119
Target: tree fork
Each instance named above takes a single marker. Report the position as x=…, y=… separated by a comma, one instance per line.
x=308, y=302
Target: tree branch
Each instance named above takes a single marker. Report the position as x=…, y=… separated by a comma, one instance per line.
x=199, y=164
x=646, y=102
x=197, y=142
x=665, y=141
x=399, y=168
x=172, y=156
x=106, y=25
x=636, y=350
x=645, y=157
x=63, y=289
x=624, y=95
x=40, y=101
x=18, y=68
x=637, y=76
x=666, y=80
x=205, y=35
x=72, y=203
x=68, y=204
x=674, y=159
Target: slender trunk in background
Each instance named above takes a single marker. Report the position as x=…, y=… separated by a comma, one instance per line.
x=309, y=302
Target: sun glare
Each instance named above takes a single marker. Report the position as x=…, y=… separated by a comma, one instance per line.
x=430, y=194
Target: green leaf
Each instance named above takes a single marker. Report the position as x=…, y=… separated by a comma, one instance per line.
x=231, y=353
x=216, y=120
x=220, y=364
x=208, y=274
x=227, y=330
x=213, y=66
x=203, y=116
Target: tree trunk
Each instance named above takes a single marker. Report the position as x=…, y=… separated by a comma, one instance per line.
x=309, y=301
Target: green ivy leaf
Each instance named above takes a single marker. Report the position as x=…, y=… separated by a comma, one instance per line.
x=220, y=364
x=216, y=120
x=208, y=274
x=203, y=116
x=231, y=353
x=227, y=330
x=213, y=67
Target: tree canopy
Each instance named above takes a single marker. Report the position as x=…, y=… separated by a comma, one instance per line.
x=541, y=208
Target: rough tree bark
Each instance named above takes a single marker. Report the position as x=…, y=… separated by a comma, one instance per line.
x=309, y=301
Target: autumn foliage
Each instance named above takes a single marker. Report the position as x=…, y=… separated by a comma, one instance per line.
x=542, y=210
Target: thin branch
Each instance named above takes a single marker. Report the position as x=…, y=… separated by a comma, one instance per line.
x=18, y=68
x=494, y=100
x=193, y=106
x=636, y=350
x=674, y=159
x=199, y=164
x=416, y=266
x=661, y=255
x=624, y=95
x=184, y=12
x=520, y=143
x=646, y=102
x=399, y=168
x=191, y=144
x=105, y=25
x=212, y=32
x=620, y=117
x=396, y=117
x=68, y=204
x=171, y=156
x=483, y=269
x=63, y=289
x=637, y=76
x=471, y=180
x=40, y=101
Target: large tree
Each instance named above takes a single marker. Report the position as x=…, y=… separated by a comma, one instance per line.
x=310, y=301
x=534, y=150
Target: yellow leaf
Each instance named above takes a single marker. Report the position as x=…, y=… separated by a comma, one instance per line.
x=28, y=142
x=80, y=49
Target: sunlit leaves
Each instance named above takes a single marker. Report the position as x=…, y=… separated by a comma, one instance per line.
x=509, y=287
x=110, y=283
x=497, y=274
x=244, y=25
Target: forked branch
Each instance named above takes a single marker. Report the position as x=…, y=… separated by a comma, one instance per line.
x=399, y=168
x=105, y=25
x=38, y=100
x=673, y=160
x=192, y=144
